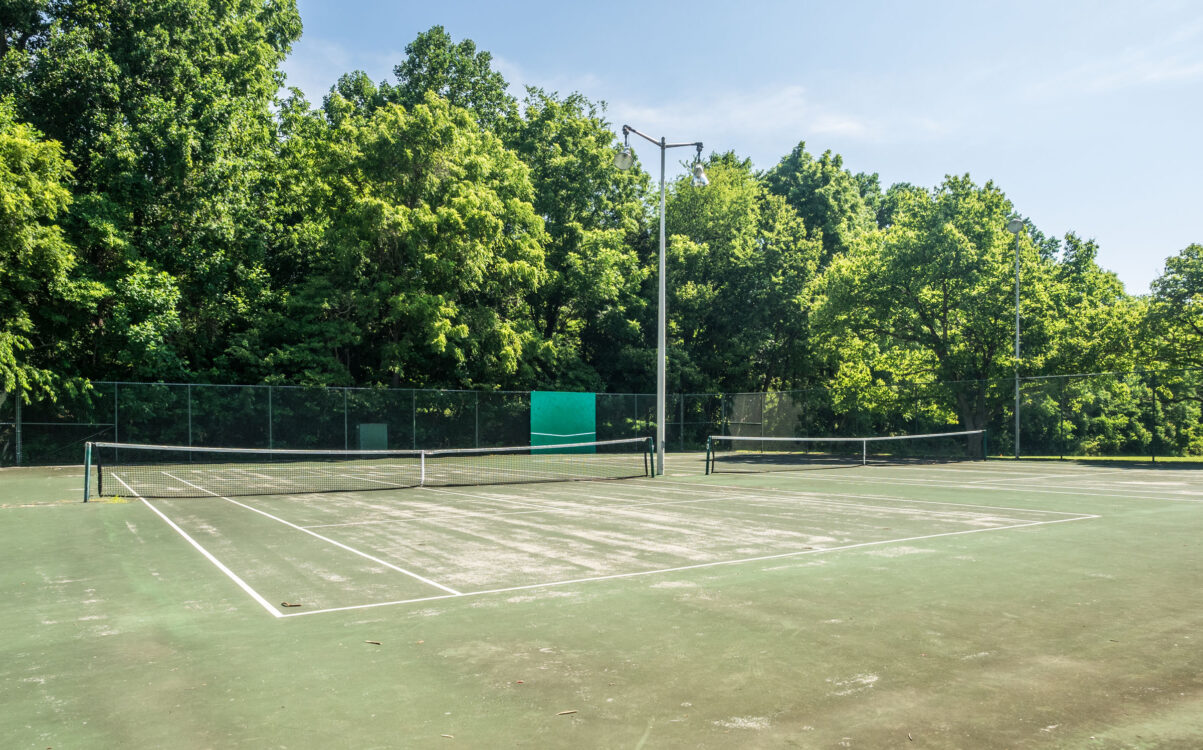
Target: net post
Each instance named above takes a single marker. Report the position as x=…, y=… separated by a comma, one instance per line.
x=864, y=453
x=87, y=471
x=422, y=469
x=985, y=445
x=709, y=445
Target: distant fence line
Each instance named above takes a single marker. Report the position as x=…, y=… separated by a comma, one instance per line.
x=1149, y=413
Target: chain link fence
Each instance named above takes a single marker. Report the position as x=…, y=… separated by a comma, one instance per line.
x=1149, y=414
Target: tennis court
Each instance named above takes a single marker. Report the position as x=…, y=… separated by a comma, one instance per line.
x=952, y=604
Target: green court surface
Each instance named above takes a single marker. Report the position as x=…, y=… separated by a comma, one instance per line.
x=1001, y=604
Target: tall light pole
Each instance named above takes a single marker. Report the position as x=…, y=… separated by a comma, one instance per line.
x=1015, y=227
x=623, y=160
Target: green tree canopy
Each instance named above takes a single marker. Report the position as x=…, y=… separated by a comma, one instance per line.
x=417, y=265
x=588, y=309
x=456, y=72
x=164, y=109
x=931, y=298
x=44, y=309
x=1095, y=325
x=1175, y=321
x=827, y=197
x=741, y=261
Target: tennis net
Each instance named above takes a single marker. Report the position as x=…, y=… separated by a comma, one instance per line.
x=162, y=471
x=726, y=453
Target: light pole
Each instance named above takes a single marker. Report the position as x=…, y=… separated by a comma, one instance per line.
x=1015, y=226
x=623, y=160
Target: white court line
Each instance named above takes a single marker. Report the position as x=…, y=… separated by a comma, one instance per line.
x=1042, y=477
x=697, y=566
x=1017, y=471
x=393, y=485
x=796, y=498
x=745, y=493
x=894, y=498
x=377, y=560
x=937, y=484
x=208, y=555
x=255, y=474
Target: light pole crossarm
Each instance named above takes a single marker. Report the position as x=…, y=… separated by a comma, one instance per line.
x=658, y=141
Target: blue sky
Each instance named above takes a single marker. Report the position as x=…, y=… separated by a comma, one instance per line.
x=1089, y=115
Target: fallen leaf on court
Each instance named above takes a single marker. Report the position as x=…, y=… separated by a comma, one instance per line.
x=449, y=736
x=374, y=643
x=286, y=604
x=565, y=713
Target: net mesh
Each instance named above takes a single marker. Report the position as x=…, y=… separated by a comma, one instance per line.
x=732, y=453
x=159, y=471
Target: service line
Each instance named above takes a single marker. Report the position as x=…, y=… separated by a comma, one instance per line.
x=659, y=571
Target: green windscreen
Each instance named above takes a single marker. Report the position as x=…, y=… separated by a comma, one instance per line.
x=558, y=418
x=373, y=436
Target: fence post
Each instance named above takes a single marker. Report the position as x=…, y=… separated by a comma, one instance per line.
x=346, y=425
x=18, y=426
x=1061, y=418
x=269, y=418
x=681, y=426
x=1153, y=437
x=413, y=393
x=189, y=415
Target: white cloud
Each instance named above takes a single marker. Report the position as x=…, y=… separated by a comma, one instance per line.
x=766, y=113
x=519, y=78
x=1177, y=58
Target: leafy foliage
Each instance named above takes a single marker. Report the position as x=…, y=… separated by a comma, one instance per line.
x=163, y=109
x=741, y=261
x=830, y=200
x=930, y=297
x=1175, y=316
x=42, y=308
x=590, y=306
x=417, y=256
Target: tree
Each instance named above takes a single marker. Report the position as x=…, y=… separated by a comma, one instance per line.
x=457, y=73
x=1095, y=325
x=21, y=22
x=827, y=197
x=589, y=307
x=930, y=298
x=43, y=307
x=740, y=263
x=164, y=109
x=1175, y=316
x=420, y=261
